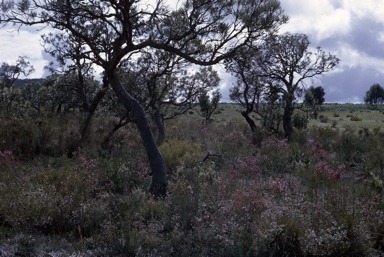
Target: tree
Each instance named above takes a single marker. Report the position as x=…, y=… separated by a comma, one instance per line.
x=314, y=96
x=253, y=91
x=375, y=95
x=171, y=86
x=209, y=104
x=286, y=59
x=10, y=73
x=9, y=94
x=202, y=32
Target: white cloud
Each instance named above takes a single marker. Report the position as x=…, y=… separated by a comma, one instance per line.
x=22, y=43
x=367, y=8
x=318, y=18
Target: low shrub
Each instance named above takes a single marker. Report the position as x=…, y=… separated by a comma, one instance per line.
x=300, y=121
x=355, y=118
x=323, y=118
x=180, y=152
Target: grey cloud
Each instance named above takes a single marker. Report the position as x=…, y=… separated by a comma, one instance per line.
x=350, y=85
x=363, y=37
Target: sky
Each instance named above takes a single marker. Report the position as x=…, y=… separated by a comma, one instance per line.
x=353, y=30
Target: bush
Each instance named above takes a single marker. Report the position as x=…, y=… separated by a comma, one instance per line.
x=300, y=121
x=355, y=118
x=323, y=118
x=180, y=152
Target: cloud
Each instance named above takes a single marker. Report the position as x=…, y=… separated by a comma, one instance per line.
x=25, y=42
x=350, y=85
x=318, y=18
x=353, y=31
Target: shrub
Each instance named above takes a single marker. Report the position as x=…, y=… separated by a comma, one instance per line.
x=300, y=121
x=323, y=118
x=335, y=114
x=178, y=152
x=355, y=118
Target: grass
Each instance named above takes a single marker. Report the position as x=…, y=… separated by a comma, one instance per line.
x=320, y=194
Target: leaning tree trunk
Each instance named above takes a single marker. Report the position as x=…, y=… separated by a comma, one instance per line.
x=250, y=122
x=85, y=127
x=156, y=161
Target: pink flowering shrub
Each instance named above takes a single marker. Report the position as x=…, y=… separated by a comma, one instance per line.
x=279, y=186
x=323, y=162
x=6, y=156
x=275, y=156
x=247, y=165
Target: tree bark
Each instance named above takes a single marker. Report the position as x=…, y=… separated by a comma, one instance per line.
x=287, y=121
x=250, y=122
x=159, y=181
x=91, y=110
x=160, y=125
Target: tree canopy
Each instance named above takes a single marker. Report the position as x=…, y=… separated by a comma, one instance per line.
x=279, y=67
x=375, y=95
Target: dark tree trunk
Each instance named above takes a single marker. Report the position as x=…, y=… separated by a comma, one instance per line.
x=287, y=122
x=115, y=128
x=250, y=122
x=156, y=161
x=91, y=110
x=84, y=131
x=160, y=125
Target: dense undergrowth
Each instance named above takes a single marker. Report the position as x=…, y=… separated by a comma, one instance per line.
x=320, y=194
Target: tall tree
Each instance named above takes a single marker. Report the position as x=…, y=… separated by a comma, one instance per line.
x=287, y=60
x=202, y=32
x=254, y=92
x=375, y=95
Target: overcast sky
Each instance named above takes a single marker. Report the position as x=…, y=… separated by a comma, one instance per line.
x=353, y=30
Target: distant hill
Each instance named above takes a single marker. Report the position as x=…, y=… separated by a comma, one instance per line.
x=22, y=82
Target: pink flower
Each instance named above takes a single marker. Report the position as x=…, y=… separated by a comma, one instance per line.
x=280, y=187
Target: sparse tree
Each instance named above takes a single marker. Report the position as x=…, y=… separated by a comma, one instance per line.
x=10, y=95
x=209, y=104
x=171, y=86
x=254, y=92
x=287, y=60
x=202, y=32
x=10, y=73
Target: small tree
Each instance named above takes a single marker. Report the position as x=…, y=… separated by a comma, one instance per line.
x=287, y=60
x=9, y=94
x=375, y=95
x=314, y=97
x=10, y=73
x=208, y=105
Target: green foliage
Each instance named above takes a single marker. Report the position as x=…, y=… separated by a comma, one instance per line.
x=375, y=95
x=180, y=152
x=314, y=96
x=300, y=121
